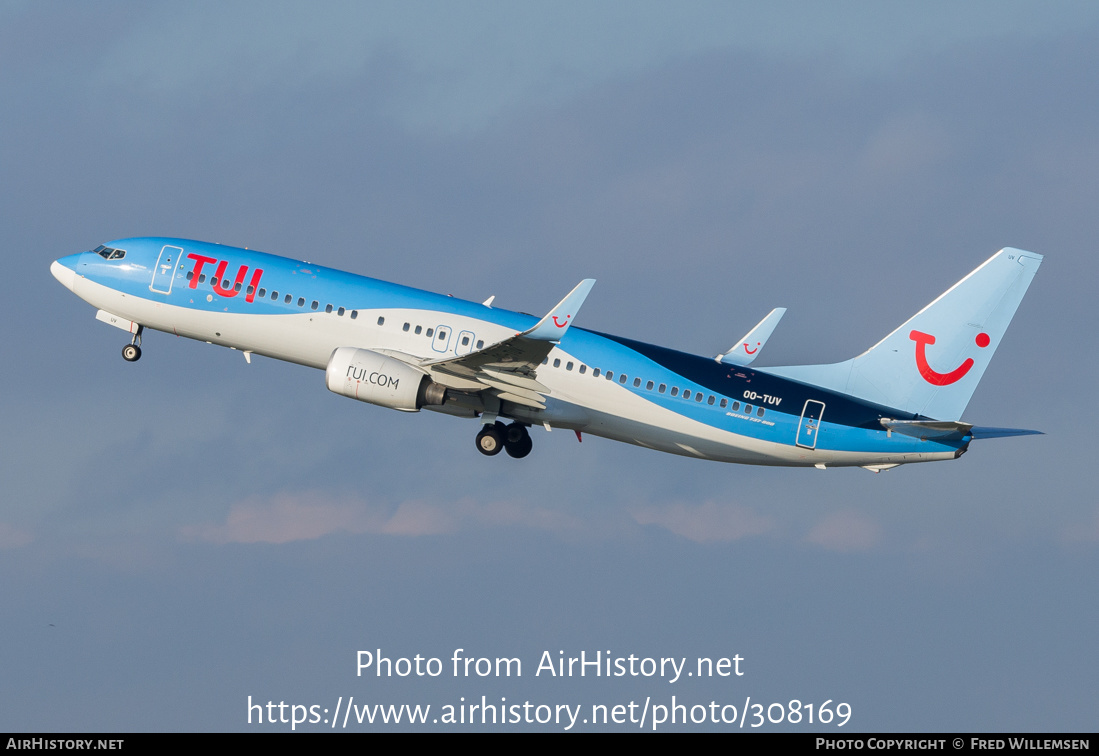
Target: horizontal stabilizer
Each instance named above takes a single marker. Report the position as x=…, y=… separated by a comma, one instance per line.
x=928, y=429
x=749, y=347
x=979, y=432
x=951, y=430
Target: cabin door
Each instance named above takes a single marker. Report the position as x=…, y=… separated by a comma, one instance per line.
x=810, y=424
x=165, y=269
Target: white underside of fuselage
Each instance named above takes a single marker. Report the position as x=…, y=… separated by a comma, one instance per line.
x=592, y=406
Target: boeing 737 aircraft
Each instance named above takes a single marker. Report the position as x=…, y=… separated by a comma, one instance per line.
x=901, y=401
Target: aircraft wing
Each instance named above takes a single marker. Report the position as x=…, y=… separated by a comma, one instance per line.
x=509, y=367
x=749, y=347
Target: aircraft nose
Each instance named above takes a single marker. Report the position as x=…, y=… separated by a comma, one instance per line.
x=64, y=270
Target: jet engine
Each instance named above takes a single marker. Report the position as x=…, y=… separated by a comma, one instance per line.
x=372, y=377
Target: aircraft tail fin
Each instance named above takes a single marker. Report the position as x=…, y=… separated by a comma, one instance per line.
x=931, y=365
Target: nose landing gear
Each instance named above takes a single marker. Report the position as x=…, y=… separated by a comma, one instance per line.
x=513, y=438
x=132, y=351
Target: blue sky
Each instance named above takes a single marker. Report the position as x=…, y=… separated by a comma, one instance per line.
x=183, y=533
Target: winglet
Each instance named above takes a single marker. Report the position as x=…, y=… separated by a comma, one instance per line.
x=749, y=347
x=553, y=326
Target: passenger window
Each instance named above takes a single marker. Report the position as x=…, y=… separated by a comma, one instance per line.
x=663, y=386
x=418, y=330
x=465, y=341
x=636, y=382
x=736, y=406
x=760, y=411
x=480, y=344
x=315, y=304
x=190, y=275
x=686, y=394
x=557, y=362
x=622, y=379
x=568, y=366
x=545, y=361
x=262, y=293
x=724, y=403
x=747, y=409
x=405, y=327
x=236, y=287
x=610, y=375
x=441, y=336
x=711, y=400
x=251, y=289
x=698, y=397
x=595, y=372
x=649, y=386
x=430, y=331
x=583, y=369
x=289, y=298
x=274, y=296
x=355, y=314
x=328, y=308
x=340, y=312
x=213, y=282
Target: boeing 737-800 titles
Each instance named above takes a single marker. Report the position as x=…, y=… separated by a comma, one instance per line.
x=901, y=401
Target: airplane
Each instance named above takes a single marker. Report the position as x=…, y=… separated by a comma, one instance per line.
x=899, y=402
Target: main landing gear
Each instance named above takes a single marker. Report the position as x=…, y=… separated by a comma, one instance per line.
x=513, y=438
x=132, y=351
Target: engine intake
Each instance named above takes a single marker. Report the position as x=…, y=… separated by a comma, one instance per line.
x=376, y=379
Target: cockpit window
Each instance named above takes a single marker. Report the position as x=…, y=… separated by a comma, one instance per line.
x=109, y=254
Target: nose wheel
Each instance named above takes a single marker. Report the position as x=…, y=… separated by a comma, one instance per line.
x=132, y=351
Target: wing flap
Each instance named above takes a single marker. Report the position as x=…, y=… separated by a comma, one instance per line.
x=514, y=379
x=524, y=399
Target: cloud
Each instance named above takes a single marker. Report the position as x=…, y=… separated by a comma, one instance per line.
x=11, y=537
x=706, y=522
x=845, y=531
x=287, y=517
x=906, y=144
x=1086, y=532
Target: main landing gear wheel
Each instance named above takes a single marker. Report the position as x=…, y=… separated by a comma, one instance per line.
x=491, y=439
x=517, y=442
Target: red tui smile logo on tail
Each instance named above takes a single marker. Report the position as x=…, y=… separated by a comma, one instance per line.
x=933, y=377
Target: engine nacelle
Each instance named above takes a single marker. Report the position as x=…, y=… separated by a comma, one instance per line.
x=372, y=377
